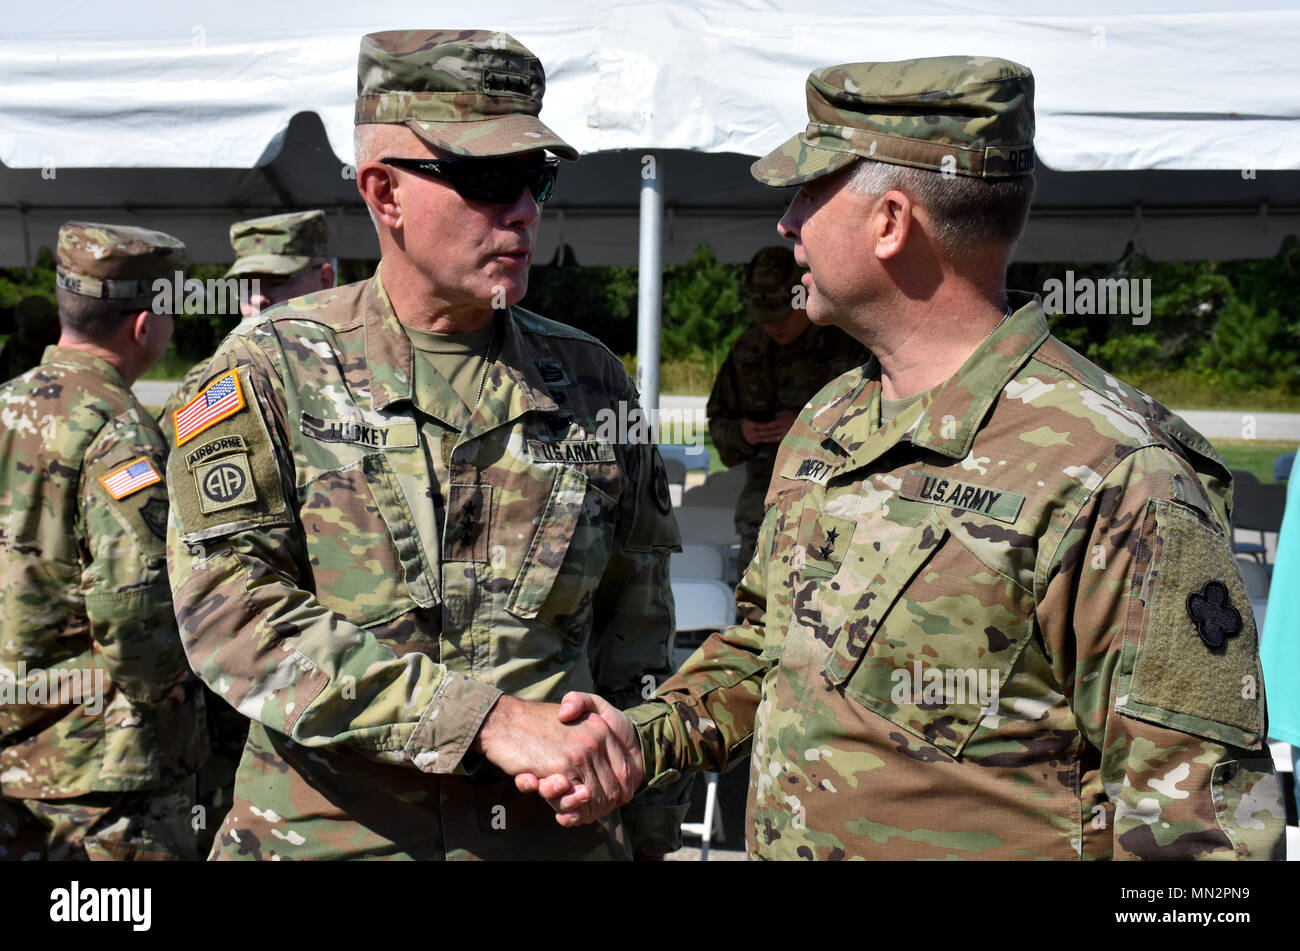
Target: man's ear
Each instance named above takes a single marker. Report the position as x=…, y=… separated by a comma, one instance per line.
x=139, y=324
x=891, y=223
x=327, y=275
x=378, y=187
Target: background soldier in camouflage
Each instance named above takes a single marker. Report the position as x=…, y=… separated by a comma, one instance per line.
x=771, y=371
x=397, y=529
x=36, y=326
x=995, y=611
x=100, y=725
x=286, y=255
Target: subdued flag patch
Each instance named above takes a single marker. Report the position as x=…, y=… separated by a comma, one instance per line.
x=220, y=399
x=132, y=477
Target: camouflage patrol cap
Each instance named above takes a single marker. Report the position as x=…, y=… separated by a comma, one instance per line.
x=115, y=262
x=467, y=92
x=277, y=244
x=769, y=284
x=962, y=115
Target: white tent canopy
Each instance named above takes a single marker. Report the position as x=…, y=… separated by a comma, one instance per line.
x=1175, y=125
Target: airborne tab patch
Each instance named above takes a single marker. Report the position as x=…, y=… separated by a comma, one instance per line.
x=216, y=447
x=950, y=493
x=132, y=477
x=220, y=399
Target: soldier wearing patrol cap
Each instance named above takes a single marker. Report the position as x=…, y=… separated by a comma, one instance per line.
x=769, y=374
x=101, y=727
x=281, y=257
x=994, y=612
x=397, y=534
x=285, y=254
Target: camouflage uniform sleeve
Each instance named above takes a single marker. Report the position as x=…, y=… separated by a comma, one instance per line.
x=725, y=414
x=703, y=717
x=633, y=624
x=1147, y=621
x=270, y=647
x=124, y=578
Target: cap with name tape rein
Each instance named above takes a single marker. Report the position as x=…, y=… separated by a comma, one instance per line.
x=960, y=115
x=115, y=262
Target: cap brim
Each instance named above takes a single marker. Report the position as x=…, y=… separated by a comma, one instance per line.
x=795, y=162
x=281, y=265
x=769, y=315
x=510, y=134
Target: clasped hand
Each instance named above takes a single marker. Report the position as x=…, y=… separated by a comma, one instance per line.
x=582, y=755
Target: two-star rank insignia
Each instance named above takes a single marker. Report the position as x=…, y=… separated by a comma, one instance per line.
x=825, y=552
x=1212, y=612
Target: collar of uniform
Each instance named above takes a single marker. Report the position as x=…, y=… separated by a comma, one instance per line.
x=961, y=402
x=390, y=358
x=514, y=384
x=70, y=356
x=967, y=395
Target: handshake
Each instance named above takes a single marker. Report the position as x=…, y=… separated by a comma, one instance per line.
x=582, y=755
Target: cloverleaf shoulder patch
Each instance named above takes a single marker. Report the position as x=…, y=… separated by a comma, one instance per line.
x=1212, y=612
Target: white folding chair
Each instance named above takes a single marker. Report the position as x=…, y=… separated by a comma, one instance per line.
x=703, y=605
x=699, y=561
x=720, y=488
x=709, y=523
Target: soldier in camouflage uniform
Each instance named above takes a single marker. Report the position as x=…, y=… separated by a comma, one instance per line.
x=770, y=372
x=285, y=254
x=101, y=725
x=36, y=326
x=400, y=520
x=994, y=612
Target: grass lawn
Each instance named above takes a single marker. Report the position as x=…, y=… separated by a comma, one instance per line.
x=1254, y=455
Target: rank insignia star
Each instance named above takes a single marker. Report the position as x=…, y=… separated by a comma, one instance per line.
x=831, y=536
x=1212, y=612
x=825, y=553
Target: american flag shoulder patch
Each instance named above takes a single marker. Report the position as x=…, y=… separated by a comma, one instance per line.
x=132, y=477
x=220, y=399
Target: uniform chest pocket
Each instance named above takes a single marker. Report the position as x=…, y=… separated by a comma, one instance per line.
x=567, y=552
x=930, y=639
x=364, y=551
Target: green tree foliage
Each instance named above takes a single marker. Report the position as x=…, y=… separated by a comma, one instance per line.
x=598, y=300
x=703, y=309
x=1218, y=330
x=17, y=283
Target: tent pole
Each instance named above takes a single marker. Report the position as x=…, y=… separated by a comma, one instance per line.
x=649, y=282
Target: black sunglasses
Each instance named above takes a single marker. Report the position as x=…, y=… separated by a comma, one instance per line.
x=494, y=180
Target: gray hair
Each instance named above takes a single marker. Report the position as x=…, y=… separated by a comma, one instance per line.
x=966, y=211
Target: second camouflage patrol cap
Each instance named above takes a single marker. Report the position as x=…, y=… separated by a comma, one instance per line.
x=769, y=284
x=278, y=244
x=115, y=262
x=961, y=115
x=466, y=92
